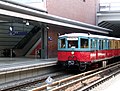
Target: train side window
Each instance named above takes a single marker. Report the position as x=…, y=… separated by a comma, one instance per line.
x=93, y=43
x=116, y=44
x=104, y=44
x=108, y=45
x=84, y=43
x=62, y=43
x=100, y=45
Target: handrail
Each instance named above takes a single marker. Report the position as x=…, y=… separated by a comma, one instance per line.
x=109, y=6
x=25, y=40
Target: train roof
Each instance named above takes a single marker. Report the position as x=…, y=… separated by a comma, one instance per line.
x=88, y=35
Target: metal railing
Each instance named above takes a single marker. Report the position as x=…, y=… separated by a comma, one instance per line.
x=109, y=6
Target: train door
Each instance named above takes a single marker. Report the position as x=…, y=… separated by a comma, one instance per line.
x=93, y=46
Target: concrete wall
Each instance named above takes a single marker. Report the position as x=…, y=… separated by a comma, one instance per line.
x=73, y=9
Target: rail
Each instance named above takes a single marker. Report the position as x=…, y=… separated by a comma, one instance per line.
x=96, y=83
x=80, y=81
x=109, y=7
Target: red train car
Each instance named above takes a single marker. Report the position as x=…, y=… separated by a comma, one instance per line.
x=80, y=49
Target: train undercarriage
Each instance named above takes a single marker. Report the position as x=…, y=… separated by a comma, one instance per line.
x=85, y=66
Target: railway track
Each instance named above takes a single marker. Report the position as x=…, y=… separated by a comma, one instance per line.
x=84, y=81
x=34, y=82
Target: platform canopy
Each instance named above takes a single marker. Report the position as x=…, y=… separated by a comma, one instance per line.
x=16, y=10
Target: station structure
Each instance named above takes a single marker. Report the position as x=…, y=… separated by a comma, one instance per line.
x=39, y=38
x=28, y=35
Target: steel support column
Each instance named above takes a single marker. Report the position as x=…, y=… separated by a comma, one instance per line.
x=44, y=48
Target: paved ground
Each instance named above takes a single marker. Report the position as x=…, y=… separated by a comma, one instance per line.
x=8, y=63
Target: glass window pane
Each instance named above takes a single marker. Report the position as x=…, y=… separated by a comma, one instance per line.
x=73, y=44
x=94, y=43
x=91, y=43
x=84, y=43
x=62, y=43
x=100, y=45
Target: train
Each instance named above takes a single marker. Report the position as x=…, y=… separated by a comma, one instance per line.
x=83, y=49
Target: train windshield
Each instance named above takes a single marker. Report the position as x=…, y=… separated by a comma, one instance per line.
x=72, y=42
x=68, y=43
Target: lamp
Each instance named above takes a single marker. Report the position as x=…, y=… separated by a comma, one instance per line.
x=11, y=28
x=27, y=23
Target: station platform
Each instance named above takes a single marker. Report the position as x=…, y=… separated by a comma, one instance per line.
x=112, y=84
x=16, y=71
x=17, y=63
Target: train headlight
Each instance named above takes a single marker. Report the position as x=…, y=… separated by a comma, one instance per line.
x=72, y=53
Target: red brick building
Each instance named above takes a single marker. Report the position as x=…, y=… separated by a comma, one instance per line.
x=79, y=10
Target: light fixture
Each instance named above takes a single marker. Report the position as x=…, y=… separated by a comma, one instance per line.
x=27, y=23
x=58, y=34
x=11, y=28
x=48, y=27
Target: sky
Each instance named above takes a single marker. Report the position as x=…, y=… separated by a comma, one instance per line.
x=109, y=1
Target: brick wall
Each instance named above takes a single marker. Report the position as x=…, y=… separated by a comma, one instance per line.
x=52, y=44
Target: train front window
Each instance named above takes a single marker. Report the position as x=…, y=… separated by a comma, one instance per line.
x=72, y=42
x=62, y=43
